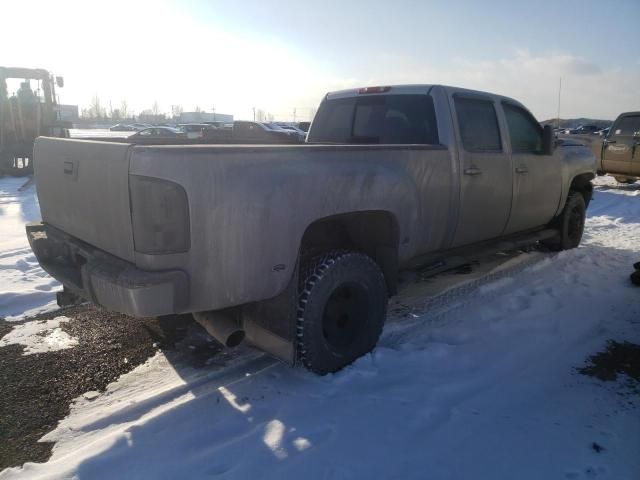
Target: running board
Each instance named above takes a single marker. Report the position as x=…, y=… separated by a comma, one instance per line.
x=431, y=264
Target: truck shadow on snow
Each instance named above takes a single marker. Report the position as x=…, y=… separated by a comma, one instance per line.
x=244, y=412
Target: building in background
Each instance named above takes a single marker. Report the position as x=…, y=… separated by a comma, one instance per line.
x=198, y=117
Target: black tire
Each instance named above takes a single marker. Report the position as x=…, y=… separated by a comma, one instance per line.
x=570, y=224
x=635, y=278
x=342, y=306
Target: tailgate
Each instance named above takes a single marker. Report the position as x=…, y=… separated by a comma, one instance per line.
x=83, y=189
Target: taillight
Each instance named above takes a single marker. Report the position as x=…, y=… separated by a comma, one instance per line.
x=374, y=90
x=160, y=216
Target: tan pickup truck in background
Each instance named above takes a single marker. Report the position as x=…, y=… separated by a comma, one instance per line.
x=617, y=154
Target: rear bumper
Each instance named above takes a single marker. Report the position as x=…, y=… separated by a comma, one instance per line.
x=107, y=280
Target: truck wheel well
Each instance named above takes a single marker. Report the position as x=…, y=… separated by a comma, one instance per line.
x=374, y=233
x=582, y=184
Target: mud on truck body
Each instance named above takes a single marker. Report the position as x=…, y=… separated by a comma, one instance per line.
x=297, y=248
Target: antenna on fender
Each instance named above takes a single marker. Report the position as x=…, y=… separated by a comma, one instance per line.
x=559, y=92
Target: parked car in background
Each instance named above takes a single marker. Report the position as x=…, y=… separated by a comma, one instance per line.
x=620, y=151
x=292, y=128
x=304, y=126
x=194, y=130
x=159, y=132
x=121, y=127
x=604, y=132
x=262, y=132
x=297, y=248
x=582, y=130
x=215, y=124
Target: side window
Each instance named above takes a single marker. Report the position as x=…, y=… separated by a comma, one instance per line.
x=524, y=131
x=478, y=124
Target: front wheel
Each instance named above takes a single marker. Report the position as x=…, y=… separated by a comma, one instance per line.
x=570, y=224
x=341, y=310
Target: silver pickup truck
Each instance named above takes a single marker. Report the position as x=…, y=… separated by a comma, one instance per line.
x=296, y=248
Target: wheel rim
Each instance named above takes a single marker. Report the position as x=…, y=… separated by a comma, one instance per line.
x=344, y=316
x=576, y=224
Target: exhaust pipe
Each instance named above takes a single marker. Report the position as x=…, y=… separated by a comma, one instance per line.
x=223, y=325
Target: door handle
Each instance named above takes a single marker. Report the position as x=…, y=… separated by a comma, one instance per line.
x=472, y=171
x=522, y=170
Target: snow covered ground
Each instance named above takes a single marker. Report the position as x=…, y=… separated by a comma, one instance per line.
x=474, y=378
x=25, y=289
x=40, y=336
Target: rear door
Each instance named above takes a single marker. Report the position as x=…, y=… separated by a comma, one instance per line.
x=537, y=183
x=83, y=190
x=486, y=176
x=620, y=146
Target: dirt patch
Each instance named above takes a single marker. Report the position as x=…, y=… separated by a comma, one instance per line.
x=5, y=328
x=37, y=389
x=618, y=358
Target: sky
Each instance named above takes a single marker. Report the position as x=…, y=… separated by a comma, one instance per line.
x=283, y=56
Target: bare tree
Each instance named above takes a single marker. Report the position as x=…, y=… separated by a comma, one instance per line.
x=176, y=110
x=124, y=109
x=95, y=107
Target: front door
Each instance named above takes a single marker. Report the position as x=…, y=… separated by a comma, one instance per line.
x=620, y=145
x=486, y=172
x=537, y=184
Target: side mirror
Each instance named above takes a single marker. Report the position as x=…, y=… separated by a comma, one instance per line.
x=548, y=143
x=60, y=82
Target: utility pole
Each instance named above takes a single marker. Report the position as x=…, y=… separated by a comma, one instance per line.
x=254, y=114
x=294, y=114
x=213, y=109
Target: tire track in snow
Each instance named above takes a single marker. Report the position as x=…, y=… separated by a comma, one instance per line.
x=439, y=307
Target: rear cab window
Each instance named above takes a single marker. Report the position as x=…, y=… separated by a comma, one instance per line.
x=376, y=119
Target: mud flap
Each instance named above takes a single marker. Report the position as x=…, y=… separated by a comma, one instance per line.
x=67, y=298
x=270, y=325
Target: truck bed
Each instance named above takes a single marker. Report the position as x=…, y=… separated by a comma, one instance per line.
x=248, y=205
